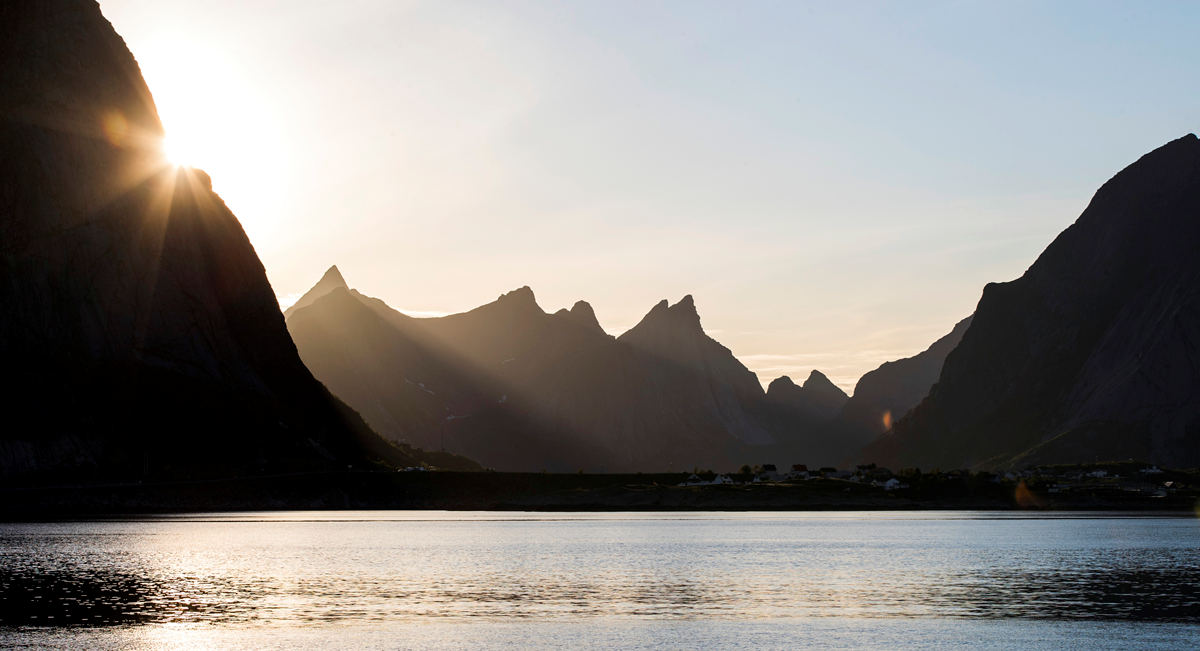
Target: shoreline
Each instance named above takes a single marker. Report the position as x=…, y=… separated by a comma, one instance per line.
x=542, y=492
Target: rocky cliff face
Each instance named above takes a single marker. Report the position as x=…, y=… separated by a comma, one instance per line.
x=520, y=389
x=1092, y=353
x=138, y=322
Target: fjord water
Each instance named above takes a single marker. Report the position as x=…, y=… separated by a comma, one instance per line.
x=398, y=580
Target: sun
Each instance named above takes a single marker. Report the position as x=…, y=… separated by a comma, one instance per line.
x=175, y=152
x=219, y=118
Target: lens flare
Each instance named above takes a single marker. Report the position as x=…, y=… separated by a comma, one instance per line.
x=115, y=127
x=1025, y=497
x=887, y=420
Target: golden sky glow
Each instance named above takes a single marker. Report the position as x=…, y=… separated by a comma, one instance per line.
x=834, y=183
x=219, y=120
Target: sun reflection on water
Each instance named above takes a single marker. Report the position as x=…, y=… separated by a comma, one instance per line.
x=318, y=572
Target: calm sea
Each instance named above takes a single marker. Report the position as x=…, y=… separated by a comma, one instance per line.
x=453, y=580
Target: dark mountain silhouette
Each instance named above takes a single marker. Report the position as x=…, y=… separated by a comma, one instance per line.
x=138, y=325
x=1092, y=353
x=818, y=400
x=520, y=389
x=583, y=314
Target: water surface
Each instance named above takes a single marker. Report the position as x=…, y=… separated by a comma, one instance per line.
x=452, y=579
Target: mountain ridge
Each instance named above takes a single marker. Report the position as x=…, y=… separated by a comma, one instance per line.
x=662, y=394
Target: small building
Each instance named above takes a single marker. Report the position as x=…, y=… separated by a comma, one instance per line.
x=1152, y=470
x=799, y=467
x=722, y=479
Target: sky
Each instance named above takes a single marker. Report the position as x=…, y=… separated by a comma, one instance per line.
x=834, y=183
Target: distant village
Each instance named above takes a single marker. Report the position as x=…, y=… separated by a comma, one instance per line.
x=1131, y=477
x=870, y=475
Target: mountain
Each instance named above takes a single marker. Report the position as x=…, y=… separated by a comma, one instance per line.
x=697, y=373
x=818, y=399
x=583, y=314
x=1093, y=353
x=330, y=281
x=139, y=330
x=520, y=389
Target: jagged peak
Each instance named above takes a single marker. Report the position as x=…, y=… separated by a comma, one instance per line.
x=781, y=383
x=667, y=320
x=330, y=281
x=685, y=315
x=333, y=277
x=817, y=377
x=819, y=383
x=682, y=312
x=583, y=314
x=521, y=294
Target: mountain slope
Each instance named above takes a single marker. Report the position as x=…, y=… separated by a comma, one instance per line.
x=137, y=317
x=1093, y=353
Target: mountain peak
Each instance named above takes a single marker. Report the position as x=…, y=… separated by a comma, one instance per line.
x=686, y=308
x=818, y=398
x=583, y=314
x=333, y=277
x=817, y=379
x=330, y=281
x=781, y=383
x=520, y=295
x=665, y=324
x=680, y=315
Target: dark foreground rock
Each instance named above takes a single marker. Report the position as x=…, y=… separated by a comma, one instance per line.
x=1093, y=353
x=138, y=331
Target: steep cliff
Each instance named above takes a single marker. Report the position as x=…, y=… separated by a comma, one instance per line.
x=138, y=324
x=1094, y=353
